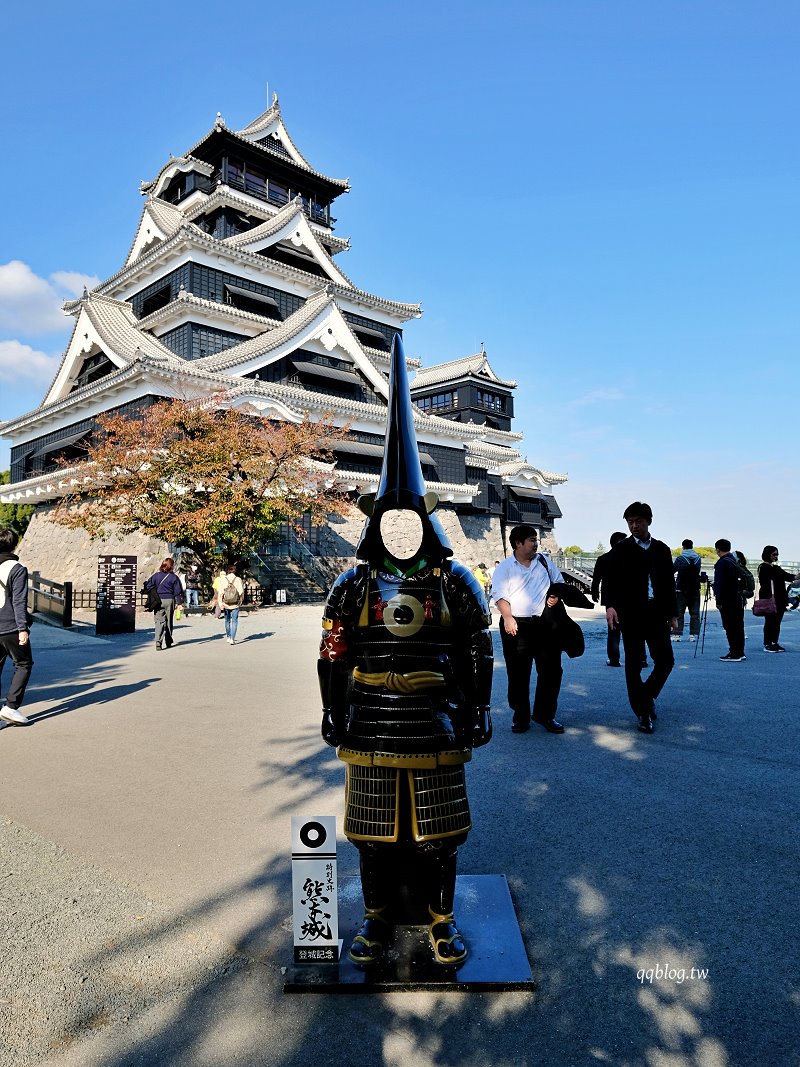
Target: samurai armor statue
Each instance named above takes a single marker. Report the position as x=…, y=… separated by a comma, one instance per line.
x=405, y=673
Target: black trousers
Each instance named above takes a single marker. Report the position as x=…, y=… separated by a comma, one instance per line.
x=531, y=645
x=772, y=627
x=650, y=629
x=732, y=617
x=22, y=658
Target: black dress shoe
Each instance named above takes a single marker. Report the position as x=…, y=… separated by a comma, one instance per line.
x=610, y=664
x=550, y=725
x=645, y=724
x=519, y=727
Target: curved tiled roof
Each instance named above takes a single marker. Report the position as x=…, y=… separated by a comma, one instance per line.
x=192, y=232
x=295, y=157
x=226, y=311
x=292, y=211
x=185, y=162
x=166, y=217
x=225, y=196
x=271, y=121
x=270, y=340
x=458, y=368
x=521, y=467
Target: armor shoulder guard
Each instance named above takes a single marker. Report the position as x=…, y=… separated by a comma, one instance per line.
x=347, y=594
x=465, y=597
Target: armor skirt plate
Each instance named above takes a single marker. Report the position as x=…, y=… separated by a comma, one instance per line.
x=374, y=804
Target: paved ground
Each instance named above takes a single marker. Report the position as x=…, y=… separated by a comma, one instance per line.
x=144, y=868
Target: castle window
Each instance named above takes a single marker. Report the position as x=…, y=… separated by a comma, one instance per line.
x=438, y=402
x=490, y=401
x=159, y=299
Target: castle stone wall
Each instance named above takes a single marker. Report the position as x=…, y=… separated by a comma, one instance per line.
x=64, y=555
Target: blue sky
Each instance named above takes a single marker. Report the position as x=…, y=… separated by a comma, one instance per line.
x=604, y=194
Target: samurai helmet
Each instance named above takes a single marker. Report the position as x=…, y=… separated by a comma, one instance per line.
x=401, y=487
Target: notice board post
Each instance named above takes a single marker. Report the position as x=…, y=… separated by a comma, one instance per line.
x=116, y=595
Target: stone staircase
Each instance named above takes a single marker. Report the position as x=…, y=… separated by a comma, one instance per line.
x=284, y=573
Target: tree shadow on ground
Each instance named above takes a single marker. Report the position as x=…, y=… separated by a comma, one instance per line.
x=615, y=876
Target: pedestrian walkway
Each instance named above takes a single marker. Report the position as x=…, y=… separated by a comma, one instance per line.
x=145, y=869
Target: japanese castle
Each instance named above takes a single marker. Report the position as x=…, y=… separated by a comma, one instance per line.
x=232, y=287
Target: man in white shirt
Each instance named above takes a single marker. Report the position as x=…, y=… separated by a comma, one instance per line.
x=520, y=586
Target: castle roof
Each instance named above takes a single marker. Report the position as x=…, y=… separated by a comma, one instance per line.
x=469, y=366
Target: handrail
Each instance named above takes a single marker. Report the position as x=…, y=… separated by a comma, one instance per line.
x=47, y=597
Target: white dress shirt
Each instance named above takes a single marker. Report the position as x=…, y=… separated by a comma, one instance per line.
x=525, y=588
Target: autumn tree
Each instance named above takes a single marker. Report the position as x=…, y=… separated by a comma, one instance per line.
x=213, y=480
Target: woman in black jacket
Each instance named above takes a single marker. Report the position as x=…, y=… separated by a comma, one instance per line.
x=168, y=586
x=772, y=581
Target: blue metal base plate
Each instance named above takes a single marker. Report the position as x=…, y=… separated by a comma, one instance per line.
x=485, y=914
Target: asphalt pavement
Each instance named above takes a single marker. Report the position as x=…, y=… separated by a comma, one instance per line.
x=145, y=912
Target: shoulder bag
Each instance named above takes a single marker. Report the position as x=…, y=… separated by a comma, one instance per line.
x=766, y=605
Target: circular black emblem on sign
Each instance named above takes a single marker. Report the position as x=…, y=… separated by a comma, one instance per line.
x=313, y=834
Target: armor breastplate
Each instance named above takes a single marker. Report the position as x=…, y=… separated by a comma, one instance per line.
x=399, y=695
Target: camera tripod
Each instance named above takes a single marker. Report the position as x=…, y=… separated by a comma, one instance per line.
x=701, y=644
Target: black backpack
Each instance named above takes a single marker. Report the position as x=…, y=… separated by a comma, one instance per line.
x=688, y=578
x=747, y=582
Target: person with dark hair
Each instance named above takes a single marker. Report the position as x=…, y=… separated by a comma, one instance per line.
x=14, y=632
x=600, y=568
x=772, y=581
x=687, y=586
x=728, y=595
x=167, y=584
x=520, y=590
x=640, y=599
x=231, y=598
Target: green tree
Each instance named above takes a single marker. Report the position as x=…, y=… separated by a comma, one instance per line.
x=573, y=550
x=214, y=481
x=14, y=516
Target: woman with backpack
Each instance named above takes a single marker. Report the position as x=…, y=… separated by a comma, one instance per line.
x=772, y=581
x=165, y=585
x=231, y=596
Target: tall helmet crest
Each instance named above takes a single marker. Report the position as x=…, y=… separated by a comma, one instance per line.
x=401, y=485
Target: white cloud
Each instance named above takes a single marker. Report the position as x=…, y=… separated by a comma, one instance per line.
x=19, y=361
x=31, y=305
x=72, y=282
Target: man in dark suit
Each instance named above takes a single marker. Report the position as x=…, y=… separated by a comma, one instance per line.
x=600, y=565
x=639, y=593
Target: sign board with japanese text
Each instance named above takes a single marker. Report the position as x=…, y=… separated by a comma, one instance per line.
x=315, y=906
x=116, y=595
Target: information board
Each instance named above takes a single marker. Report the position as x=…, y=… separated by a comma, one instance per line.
x=116, y=595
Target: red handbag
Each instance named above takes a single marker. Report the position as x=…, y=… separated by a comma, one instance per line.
x=767, y=605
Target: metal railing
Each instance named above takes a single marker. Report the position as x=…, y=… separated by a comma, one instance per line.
x=53, y=599
x=316, y=567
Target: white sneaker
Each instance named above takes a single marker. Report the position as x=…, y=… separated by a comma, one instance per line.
x=692, y=637
x=12, y=715
x=675, y=637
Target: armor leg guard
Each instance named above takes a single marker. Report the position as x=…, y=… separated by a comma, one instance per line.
x=449, y=947
x=375, y=932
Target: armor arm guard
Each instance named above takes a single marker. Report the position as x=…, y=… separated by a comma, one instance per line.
x=473, y=653
x=334, y=683
x=334, y=666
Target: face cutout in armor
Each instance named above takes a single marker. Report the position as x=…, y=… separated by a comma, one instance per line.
x=401, y=533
